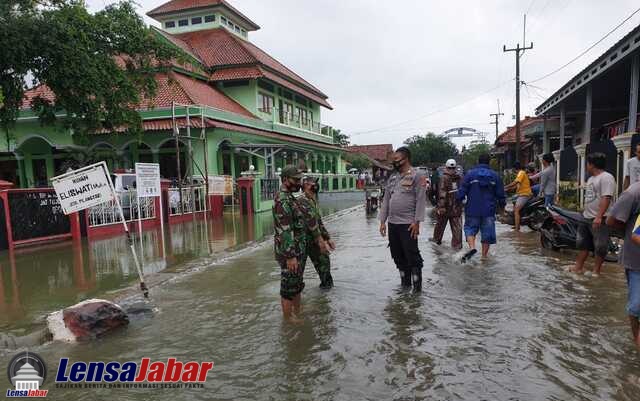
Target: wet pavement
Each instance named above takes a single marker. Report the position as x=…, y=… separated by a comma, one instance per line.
x=514, y=327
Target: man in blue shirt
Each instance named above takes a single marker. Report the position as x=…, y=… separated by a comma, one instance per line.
x=484, y=191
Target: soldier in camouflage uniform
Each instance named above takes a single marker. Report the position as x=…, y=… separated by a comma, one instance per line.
x=291, y=224
x=320, y=260
x=449, y=208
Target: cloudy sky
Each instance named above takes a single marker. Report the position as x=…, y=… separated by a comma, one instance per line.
x=393, y=69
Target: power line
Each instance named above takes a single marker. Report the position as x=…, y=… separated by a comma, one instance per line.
x=588, y=49
x=435, y=111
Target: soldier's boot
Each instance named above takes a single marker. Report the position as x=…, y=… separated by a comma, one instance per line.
x=416, y=277
x=405, y=278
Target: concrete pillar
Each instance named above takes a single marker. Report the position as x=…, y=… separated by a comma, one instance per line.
x=50, y=167
x=581, y=150
x=633, y=96
x=556, y=155
x=588, y=114
x=562, y=123
x=545, y=136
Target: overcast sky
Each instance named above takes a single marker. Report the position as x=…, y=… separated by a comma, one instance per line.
x=390, y=68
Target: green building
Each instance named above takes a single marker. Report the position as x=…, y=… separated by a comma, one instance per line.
x=234, y=106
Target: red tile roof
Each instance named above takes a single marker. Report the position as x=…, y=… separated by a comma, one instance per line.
x=42, y=91
x=220, y=49
x=179, y=88
x=378, y=152
x=182, y=5
x=167, y=125
x=172, y=87
x=509, y=136
x=230, y=74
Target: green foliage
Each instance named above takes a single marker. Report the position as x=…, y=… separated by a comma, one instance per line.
x=357, y=160
x=98, y=65
x=430, y=149
x=568, y=195
x=339, y=138
x=470, y=154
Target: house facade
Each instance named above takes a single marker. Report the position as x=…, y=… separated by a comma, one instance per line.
x=229, y=107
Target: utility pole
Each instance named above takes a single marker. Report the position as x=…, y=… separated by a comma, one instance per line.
x=496, y=122
x=517, y=51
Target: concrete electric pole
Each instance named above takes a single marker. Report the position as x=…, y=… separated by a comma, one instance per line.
x=517, y=51
x=496, y=122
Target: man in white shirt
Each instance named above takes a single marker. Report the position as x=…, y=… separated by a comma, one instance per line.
x=632, y=169
x=598, y=193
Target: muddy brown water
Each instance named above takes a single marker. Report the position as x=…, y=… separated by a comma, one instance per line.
x=515, y=327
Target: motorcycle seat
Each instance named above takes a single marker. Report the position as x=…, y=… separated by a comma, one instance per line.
x=575, y=216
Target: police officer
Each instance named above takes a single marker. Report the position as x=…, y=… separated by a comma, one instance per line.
x=291, y=224
x=403, y=209
x=321, y=261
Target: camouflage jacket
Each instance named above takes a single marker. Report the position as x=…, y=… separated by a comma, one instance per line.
x=310, y=205
x=447, y=190
x=291, y=223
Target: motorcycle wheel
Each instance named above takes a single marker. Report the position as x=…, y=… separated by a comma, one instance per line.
x=614, y=250
x=546, y=243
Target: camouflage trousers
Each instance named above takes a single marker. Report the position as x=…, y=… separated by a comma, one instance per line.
x=322, y=264
x=455, y=222
x=292, y=283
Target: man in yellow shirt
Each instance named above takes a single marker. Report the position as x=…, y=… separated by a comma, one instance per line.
x=522, y=185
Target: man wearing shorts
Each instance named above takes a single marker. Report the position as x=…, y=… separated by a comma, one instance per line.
x=624, y=216
x=483, y=189
x=522, y=185
x=598, y=193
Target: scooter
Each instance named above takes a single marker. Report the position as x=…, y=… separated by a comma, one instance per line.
x=560, y=231
x=372, y=199
x=533, y=214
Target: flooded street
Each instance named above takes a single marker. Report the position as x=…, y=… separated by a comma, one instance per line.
x=516, y=327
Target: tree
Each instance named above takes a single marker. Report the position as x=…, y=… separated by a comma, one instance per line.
x=430, y=149
x=470, y=154
x=339, y=138
x=358, y=160
x=99, y=66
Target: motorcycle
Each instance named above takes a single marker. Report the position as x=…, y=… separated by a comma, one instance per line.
x=373, y=196
x=560, y=231
x=533, y=214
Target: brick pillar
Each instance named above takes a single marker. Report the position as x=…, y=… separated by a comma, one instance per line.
x=245, y=189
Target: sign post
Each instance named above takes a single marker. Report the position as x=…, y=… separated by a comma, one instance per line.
x=148, y=186
x=90, y=186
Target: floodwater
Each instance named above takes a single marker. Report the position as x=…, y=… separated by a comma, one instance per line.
x=515, y=327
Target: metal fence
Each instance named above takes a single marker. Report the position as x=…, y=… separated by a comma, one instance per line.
x=108, y=213
x=194, y=199
x=268, y=188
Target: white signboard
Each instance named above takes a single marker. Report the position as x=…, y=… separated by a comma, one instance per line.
x=147, y=180
x=220, y=185
x=83, y=188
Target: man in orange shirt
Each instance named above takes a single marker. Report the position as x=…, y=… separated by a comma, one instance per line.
x=522, y=185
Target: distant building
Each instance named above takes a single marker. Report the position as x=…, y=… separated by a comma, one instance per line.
x=255, y=110
x=380, y=153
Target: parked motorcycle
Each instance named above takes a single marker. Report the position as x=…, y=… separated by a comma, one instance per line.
x=533, y=214
x=560, y=231
x=373, y=198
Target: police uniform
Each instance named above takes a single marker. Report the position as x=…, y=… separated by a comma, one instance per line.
x=321, y=261
x=403, y=204
x=291, y=240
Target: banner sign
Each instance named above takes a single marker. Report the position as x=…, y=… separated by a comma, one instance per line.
x=147, y=180
x=83, y=188
x=220, y=185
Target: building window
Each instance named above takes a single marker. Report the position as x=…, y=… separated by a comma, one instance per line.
x=233, y=84
x=301, y=100
x=288, y=111
x=304, y=115
x=224, y=20
x=196, y=20
x=244, y=33
x=209, y=18
x=266, y=86
x=183, y=22
x=265, y=103
x=288, y=95
x=237, y=29
x=170, y=24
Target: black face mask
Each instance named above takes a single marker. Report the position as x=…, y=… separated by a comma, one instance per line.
x=397, y=164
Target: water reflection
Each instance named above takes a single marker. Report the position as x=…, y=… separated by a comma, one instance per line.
x=37, y=280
